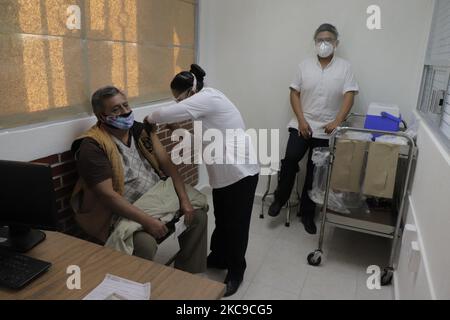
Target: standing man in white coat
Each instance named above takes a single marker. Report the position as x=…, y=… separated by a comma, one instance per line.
x=322, y=95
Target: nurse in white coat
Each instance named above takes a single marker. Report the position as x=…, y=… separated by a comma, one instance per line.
x=233, y=182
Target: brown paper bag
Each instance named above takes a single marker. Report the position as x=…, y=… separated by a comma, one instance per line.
x=381, y=170
x=348, y=165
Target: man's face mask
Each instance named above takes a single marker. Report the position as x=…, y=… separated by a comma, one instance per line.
x=324, y=49
x=122, y=122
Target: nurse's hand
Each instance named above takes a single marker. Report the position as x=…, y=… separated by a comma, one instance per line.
x=150, y=126
x=304, y=129
x=148, y=119
x=329, y=128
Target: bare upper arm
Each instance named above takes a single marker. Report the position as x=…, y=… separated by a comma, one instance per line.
x=350, y=95
x=295, y=93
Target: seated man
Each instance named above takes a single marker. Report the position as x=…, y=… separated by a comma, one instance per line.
x=120, y=164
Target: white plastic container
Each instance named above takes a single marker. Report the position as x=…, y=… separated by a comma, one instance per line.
x=375, y=109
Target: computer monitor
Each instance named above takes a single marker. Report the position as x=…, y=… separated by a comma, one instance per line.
x=27, y=203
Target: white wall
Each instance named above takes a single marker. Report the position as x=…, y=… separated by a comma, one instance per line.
x=41, y=140
x=430, y=212
x=250, y=50
x=429, y=209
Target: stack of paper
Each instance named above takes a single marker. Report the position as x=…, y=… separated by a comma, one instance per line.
x=116, y=288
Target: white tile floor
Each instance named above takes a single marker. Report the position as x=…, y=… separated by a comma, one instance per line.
x=277, y=268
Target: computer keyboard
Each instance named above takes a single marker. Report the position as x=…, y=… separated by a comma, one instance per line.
x=17, y=270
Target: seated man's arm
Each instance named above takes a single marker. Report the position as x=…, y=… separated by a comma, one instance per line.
x=95, y=169
x=118, y=204
x=171, y=170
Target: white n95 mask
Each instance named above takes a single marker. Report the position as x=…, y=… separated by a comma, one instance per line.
x=324, y=49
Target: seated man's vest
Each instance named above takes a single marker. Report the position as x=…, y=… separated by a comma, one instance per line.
x=91, y=215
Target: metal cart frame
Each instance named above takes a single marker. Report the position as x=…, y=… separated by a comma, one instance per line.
x=351, y=223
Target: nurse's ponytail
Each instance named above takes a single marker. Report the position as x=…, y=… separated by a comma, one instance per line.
x=187, y=80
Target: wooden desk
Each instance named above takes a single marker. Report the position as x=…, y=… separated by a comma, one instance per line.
x=95, y=262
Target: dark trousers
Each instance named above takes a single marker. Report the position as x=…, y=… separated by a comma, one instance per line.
x=233, y=207
x=295, y=151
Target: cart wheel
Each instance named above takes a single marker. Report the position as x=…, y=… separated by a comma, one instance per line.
x=386, y=277
x=287, y=224
x=315, y=258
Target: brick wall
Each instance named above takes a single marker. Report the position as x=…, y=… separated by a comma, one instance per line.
x=65, y=176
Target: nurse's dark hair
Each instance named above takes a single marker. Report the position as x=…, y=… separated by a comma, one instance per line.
x=326, y=27
x=102, y=94
x=185, y=80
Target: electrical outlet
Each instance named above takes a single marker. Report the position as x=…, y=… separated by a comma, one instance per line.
x=414, y=257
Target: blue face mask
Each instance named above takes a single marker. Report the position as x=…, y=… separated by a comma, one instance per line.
x=124, y=122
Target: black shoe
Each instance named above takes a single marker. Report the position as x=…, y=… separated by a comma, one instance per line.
x=274, y=209
x=232, y=287
x=214, y=264
x=309, y=224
